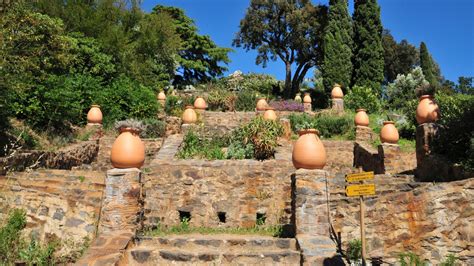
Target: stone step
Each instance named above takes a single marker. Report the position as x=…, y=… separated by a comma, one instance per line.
x=220, y=241
x=213, y=249
x=156, y=256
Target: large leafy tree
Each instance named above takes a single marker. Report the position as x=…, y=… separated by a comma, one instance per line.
x=337, y=64
x=399, y=58
x=199, y=58
x=368, y=57
x=291, y=31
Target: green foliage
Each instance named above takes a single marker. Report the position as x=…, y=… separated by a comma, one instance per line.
x=263, y=84
x=246, y=100
x=183, y=229
x=262, y=134
x=221, y=100
x=195, y=146
x=450, y=260
x=173, y=106
x=125, y=98
x=456, y=138
x=362, y=97
x=410, y=259
x=465, y=85
x=154, y=128
x=238, y=151
x=368, y=50
x=399, y=58
x=289, y=30
x=354, y=250
x=199, y=57
x=404, y=88
x=428, y=65
x=57, y=103
x=14, y=248
x=329, y=124
x=337, y=64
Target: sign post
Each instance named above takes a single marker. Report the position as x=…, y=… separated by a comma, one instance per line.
x=361, y=190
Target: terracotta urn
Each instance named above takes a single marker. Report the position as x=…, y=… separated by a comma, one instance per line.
x=361, y=118
x=306, y=98
x=189, y=115
x=94, y=116
x=262, y=104
x=200, y=103
x=128, y=150
x=389, y=133
x=298, y=98
x=336, y=92
x=270, y=114
x=308, y=150
x=162, y=96
x=427, y=110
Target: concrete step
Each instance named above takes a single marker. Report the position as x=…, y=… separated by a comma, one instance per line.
x=214, y=250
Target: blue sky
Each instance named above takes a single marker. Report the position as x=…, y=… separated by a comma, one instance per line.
x=446, y=26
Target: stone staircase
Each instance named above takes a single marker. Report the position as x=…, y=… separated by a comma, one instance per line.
x=222, y=249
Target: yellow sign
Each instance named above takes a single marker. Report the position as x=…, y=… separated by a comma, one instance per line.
x=359, y=176
x=360, y=190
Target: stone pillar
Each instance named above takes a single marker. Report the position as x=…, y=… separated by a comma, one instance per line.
x=285, y=122
x=424, y=136
x=364, y=134
x=307, y=107
x=389, y=154
x=121, y=204
x=95, y=130
x=338, y=105
x=312, y=216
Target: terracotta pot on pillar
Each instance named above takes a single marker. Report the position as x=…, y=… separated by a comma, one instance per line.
x=308, y=150
x=361, y=118
x=161, y=98
x=262, y=104
x=307, y=98
x=270, y=114
x=336, y=92
x=128, y=150
x=200, y=103
x=298, y=98
x=427, y=110
x=189, y=115
x=389, y=133
x=94, y=116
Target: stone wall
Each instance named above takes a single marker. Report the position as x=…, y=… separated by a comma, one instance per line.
x=431, y=220
x=77, y=154
x=60, y=204
x=431, y=166
x=208, y=191
x=387, y=159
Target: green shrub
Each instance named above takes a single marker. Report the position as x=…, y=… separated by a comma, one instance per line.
x=410, y=259
x=154, y=128
x=262, y=134
x=125, y=98
x=221, y=100
x=329, y=124
x=237, y=150
x=57, y=103
x=362, y=97
x=354, y=250
x=13, y=247
x=246, y=100
x=173, y=106
x=195, y=146
x=456, y=137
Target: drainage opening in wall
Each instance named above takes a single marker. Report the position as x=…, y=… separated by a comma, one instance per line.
x=184, y=216
x=221, y=216
x=261, y=217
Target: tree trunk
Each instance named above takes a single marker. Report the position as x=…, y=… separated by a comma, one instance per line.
x=287, y=91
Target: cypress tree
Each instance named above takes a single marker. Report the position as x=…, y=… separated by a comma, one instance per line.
x=337, y=64
x=368, y=52
x=427, y=65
